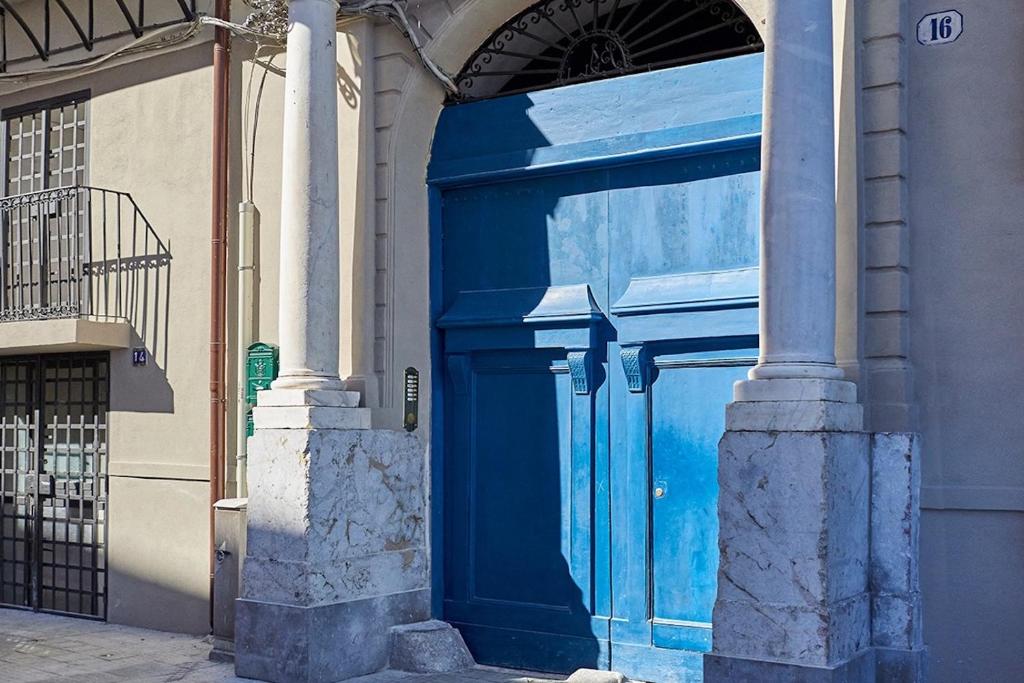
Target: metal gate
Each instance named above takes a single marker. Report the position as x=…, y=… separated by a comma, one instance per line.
x=53, y=483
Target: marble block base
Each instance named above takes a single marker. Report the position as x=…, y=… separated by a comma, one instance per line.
x=336, y=553
x=321, y=644
x=793, y=541
x=721, y=669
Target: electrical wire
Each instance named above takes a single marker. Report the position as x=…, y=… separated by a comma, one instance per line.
x=267, y=69
x=395, y=13
x=159, y=39
x=171, y=36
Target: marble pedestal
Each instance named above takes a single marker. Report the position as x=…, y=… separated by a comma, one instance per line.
x=896, y=628
x=793, y=595
x=336, y=551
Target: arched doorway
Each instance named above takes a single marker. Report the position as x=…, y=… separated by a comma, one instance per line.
x=595, y=208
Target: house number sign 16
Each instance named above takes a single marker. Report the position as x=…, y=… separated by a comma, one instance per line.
x=940, y=28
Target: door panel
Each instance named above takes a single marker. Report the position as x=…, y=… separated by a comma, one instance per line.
x=683, y=216
x=593, y=319
x=519, y=474
x=530, y=233
x=518, y=485
x=686, y=424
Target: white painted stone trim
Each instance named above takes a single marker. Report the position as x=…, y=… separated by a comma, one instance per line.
x=305, y=397
x=794, y=416
x=310, y=417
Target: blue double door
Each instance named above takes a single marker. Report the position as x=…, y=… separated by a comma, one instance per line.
x=594, y=313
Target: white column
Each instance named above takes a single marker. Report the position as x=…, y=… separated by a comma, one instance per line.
x=798, y=224
x=310, y=279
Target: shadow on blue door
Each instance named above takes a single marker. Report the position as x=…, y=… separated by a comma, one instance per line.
x=518, y=434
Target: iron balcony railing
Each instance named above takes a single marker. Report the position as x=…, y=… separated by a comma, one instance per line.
x=76, y=252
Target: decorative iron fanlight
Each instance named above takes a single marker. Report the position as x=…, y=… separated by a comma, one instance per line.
x=558, y=42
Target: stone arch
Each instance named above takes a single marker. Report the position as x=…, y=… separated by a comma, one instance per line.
x=402, y=218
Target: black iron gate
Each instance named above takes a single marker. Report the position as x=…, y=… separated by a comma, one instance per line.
x=53, y=483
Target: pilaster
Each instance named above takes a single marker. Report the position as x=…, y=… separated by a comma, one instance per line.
x=882, y=29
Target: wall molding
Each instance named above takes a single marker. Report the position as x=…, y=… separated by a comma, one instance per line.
x=973, y=498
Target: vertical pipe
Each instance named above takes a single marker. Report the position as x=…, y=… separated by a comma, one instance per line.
x=246, y=332
x=218, y=266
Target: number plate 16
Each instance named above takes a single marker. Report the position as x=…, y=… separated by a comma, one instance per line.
x=940, y=28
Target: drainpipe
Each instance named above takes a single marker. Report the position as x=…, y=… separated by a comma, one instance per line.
x=218, y=266
x=246, y=333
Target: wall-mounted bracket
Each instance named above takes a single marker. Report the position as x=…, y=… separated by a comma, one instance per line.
x=580, y=371
x=635, y=365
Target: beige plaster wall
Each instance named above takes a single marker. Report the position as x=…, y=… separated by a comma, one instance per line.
x=149, y=135
x=158, y=559
x=966, y=154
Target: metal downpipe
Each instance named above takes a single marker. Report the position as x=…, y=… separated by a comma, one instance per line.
x=218, y=268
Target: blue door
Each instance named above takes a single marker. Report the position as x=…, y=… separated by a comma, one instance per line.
x=596, y=251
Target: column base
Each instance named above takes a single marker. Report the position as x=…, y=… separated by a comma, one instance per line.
x=309, y=409
x=337, y=551
x=308, y=383
x=322, y=643
x=796, y=371
x=725, y=669
x=793, y=515
x=766, y=390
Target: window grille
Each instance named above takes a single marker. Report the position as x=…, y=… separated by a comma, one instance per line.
x=45, y=149
x=560, y=42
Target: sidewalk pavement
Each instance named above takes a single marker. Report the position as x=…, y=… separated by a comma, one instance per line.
x=44, y=648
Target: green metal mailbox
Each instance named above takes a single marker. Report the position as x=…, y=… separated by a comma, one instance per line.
x=261, y=368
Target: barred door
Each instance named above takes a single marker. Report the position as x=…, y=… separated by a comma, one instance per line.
x=53, y=483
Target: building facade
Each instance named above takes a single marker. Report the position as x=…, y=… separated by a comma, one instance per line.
x=579, y=224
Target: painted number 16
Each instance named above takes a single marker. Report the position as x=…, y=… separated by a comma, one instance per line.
x=940, y=28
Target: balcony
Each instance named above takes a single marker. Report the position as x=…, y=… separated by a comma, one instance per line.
x=82, y=269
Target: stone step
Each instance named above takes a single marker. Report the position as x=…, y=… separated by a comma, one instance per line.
x=429, y=647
